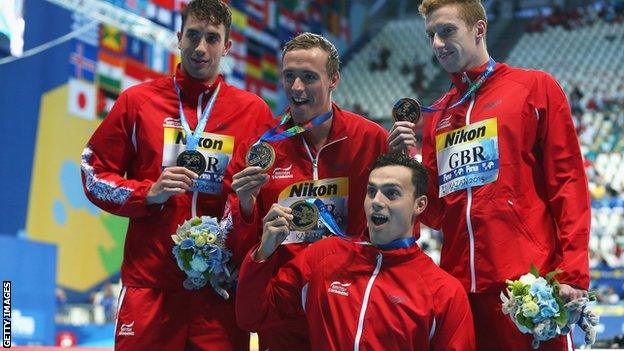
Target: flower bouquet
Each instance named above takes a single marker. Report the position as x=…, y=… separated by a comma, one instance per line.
x=201, y=253
x=534, y=305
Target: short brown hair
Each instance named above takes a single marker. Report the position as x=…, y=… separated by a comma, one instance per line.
x=420, y=179
x=216, y=12
x=470, y=11
x=306, y=41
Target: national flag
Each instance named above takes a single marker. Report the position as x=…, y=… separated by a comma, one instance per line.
x=136, y=72
x=112, y=39
x=269, y=66
x=254, y=30
x=239, y=19
x=105, y=101
x=136, y=48
x=168, y=4
x=110, y=70
x=82, y=60
x=158, y=59
x=81, y=99
x=136, y=6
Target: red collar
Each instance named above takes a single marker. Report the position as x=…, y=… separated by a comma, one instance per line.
x=192, y=87
x=459, y=80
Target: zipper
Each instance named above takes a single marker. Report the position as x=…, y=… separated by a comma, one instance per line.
x=314, y=160
x=473, y=274
x=369, y=287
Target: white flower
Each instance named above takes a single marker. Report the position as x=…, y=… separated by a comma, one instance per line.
x=528, y=279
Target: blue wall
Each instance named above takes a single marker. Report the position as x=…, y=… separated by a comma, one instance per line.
x=22, y=83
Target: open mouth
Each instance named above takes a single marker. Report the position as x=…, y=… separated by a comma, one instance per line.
x=199, y=61
x=299, y=101
x=378, y=219
x=445, y=55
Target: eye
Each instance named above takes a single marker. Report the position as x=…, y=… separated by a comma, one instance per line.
x=192, y=35
x=289, y=76
x=392, y=194
x=448, y=31
x=309, y=77
x=212, y=38
x=370, y=191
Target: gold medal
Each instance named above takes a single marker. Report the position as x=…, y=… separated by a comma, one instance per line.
x=406, y=109
x=261, y=155
x=305, y=216
x=193, y=160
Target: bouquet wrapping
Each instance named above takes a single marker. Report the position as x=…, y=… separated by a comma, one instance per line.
x=534, y=305
x=201, y=253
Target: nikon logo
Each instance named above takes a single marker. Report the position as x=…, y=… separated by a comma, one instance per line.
x=205, y=143
x=309, y=189
x=463, y=136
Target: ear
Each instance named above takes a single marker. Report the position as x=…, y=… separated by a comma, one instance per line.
x=480, y=30
x=334, y=81
x=228, y=46
x=419, y=205
x=179, y=39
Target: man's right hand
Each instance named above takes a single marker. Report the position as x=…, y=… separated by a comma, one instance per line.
x=172, y=181
x=275, y=229
x=247, y=184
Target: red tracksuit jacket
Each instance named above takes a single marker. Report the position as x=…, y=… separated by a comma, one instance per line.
x=537, y=209
x=337, y=174
x=357, y=297
x=124, y=157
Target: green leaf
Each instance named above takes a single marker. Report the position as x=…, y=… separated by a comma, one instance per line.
x=525, y=321
x=562, y=319
x=187, y=256
x=552, y=274
x=534, y=270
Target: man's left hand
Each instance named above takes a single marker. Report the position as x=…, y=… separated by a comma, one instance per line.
x=569, y=293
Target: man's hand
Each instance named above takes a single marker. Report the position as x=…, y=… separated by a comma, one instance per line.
x=172, y=181
x=247, y=184
x=275, y=229
x=569, y=293
x=402, y=137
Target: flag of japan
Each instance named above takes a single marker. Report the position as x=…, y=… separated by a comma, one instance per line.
x=81, y=99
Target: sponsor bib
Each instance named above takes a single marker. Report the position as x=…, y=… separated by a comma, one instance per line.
x=334, y=192
x=216, y=149
x=467, y=156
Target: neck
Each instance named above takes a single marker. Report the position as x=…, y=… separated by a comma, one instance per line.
x=481, y=59
x=318, y=135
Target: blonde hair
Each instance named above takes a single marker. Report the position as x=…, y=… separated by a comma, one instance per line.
x=306, y=41
x=470, y=11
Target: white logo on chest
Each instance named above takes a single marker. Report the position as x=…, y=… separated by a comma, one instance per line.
x=339, y=288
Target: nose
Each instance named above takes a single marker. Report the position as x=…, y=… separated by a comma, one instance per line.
x=202, y=46
x=298, y=84
x=436, y=42
x=377, y=201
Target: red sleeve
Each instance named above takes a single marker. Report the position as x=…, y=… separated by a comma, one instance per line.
x=244, y=233
x=434, y=212
x=262, y=300
x=454, y=328
x=566, y=182
x=105, y=161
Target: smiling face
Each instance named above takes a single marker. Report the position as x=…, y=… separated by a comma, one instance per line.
x=306, y=83
x=391, y=205
x=201, y=47
x=457, y=45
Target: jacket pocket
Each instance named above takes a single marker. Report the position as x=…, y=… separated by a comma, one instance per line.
x=524, y=229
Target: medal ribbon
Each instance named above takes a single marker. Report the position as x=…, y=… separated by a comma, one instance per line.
x=326, y=217
x=474, y=86
x=192, y=139
x=330, y=223
x=272, y=134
